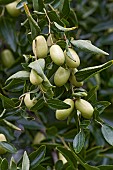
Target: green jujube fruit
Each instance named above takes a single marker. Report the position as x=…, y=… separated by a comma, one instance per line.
x=73, y=80
x=7, y=58
x=28, y=102
x=57, y=55
x=35, y=79
x=64, y=113
x=39, y=46
x=72, y=63
x=61, y=76
x=12, y=10
x=85, y=108
x=2, y=138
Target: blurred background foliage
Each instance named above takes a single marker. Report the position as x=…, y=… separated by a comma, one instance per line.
x=95, y=23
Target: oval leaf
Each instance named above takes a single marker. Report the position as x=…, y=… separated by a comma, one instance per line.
x=107, y=132
x=19, y=75
x=10, y=148
x=25, y=162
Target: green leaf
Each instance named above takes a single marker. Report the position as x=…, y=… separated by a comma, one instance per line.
x=79, y=141
x=103, y=26
x=107, y=132
x=87, y=46
x=38, y=5
x=64, y=8
x=63, y=28
x=7, y=103
x=13, y=165
x=25, y=162
x=105, y=167
x=37, y=156
x=101, y=106
x=57, y=104
x=4, y=164
x=9, y=147
x=39, y=105
x=92, y=94
x=2, y=2
x=19, y=75
x=88, y=72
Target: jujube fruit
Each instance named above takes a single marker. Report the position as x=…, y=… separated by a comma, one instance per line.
x=35, y=79
x=62, y=114
x=85, y=108
x=73, y=80
x=57, y=55
x=12, y=10
x=2, y=138
x=28, y=102
x=40, y=48
x=7, y=58
x=72, y=63
x=61, y=76
x=38, y=138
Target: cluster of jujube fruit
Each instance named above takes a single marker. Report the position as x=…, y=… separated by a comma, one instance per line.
x=66, y=71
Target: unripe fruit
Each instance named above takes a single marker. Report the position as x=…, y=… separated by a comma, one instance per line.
x=7, y=58
x=2, y=138
x=72, y=63
x=38, y=138
x=35, y=79
x=40, y=48
x=57, y=55
x=61, y=76
x=62, y=158
x=12, y=10
x=73, y=80
x=50, y=40
x=85, y=108
x=64, y=113
x=28, y=102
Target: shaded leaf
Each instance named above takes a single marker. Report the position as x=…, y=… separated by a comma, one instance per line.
x=39, y=105
x=92, y=94
x=101, y=106
x=105, y=167
x=107, y=132
x=9, y=147
x=4, y=164
x=38, y=5
x=7, y=103
x=64, y=8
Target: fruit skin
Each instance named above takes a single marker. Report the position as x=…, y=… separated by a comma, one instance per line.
x=62, y=158
x=7, y=58
x=85, y=108
x=61, y=76
x=39, y=46
x=35, y=79
x=57, y=55
x=12, y=10
x=38, y=138
x=73, y=80
x=2, y=138
x=64, y=113
x=28, y=102
x=69, y=62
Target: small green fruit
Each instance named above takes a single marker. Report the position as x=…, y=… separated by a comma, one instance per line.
x=2, y=138
x=57, y=55
x=73, y=80
x=85, y=108
x=64, y=113
x=62, y=158
x=69, y=62
x=40, y=48
x=61, y=76
x=38, y=138
x=28, y=102
x=12, y=10
x=35, y=79
x=7, y=58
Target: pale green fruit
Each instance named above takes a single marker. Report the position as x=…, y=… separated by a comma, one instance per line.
x=62, y=158
x=2, y=138
x=7, y=58
x=12, y=10
x=61, y=76
x=64, y=113
x=57, y=55
x=39, y=46
x=28, y=102
x=69, y=62
x=85, y=108
x=73, y=80
x=35, y=79
x=50, y=40
x=38, y=138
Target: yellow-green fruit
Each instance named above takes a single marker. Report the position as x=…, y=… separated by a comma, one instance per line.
x=12, y=10
x=73, y=80
x=61, y=76
x=72, y=63
x=28, y=102
x=2, y=138
x=50, y=40
x=7, y=58
x=57, y=55
x=38, y=138
x=85, y=108
x=35, y=79
x=62, y=158
x=40, y=48
x=64, y=113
